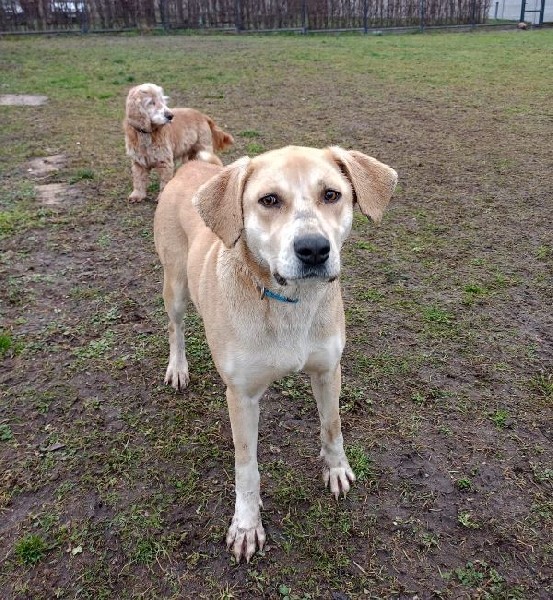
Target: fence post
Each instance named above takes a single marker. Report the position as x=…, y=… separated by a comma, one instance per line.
x=522, y=11
x=84, y=18
x=237, y=16
x=163, y=13
x=422, y=7
x=365, y=16
x=473, y=14
x=304, y=16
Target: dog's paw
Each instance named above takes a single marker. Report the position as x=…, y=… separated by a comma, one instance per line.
x=136, y=197
x=244, y=541
x=177, y=377
x=339, y=478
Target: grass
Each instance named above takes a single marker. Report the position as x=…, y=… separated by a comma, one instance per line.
x=6, y=433
x=466, y=519
x=500, y=418
x=361, y=464
x=484, y=579
x=464, y=484
x=30, y=549
x=437, y=316
x=6, y=343
x=249, y=134
x=82, y=175
x=254, y=148
x=543, y=384
x=447, y=367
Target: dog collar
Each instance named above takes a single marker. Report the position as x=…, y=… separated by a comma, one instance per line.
x=265, y=293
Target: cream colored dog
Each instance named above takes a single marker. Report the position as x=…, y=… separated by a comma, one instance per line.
x=256, y=247
x=157, y=136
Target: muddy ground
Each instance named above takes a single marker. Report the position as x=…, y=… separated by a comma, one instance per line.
x=115, y=486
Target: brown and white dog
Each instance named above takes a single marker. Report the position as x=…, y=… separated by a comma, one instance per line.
x=157, y=136
x=256, y=247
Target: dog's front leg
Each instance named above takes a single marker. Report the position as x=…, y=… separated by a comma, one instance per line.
x=326, y=389
x=246, y=531
x=140, y=182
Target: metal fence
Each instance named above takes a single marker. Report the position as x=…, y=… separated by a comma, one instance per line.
x=236, y=15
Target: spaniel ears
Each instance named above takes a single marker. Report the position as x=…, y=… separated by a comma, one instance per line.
x=219, y=200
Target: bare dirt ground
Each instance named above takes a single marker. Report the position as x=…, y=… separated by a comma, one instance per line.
x=113, y=486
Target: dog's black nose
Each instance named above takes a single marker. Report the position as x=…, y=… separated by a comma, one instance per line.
x=169, y=116
x=312, y=249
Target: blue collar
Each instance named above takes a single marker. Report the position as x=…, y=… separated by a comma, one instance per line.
x=265, y=293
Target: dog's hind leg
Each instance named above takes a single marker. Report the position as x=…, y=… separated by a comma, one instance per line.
x=140, y=183
x=175, y=298
x=337, y=473
x=165, y=171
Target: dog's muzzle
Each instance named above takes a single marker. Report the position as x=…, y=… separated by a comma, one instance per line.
x=169, y=116
x=313, y=250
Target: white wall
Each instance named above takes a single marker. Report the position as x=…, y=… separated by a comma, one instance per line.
x=510, y=9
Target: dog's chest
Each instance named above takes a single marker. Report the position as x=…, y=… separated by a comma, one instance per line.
x=285, y=346
x=149, y=153
x=267, y=349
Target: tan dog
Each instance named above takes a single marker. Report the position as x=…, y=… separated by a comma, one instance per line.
x=256, y=247
x=157, y=136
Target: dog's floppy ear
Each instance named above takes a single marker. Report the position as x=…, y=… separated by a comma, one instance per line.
x=137, y=116
x=219, y=201
x=373, y=182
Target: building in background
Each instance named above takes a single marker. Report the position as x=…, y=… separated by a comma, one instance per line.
x=509, y=10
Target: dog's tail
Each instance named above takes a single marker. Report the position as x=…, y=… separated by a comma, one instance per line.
x=221, y=139
x=209, y=157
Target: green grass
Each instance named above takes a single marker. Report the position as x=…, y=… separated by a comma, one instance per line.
x=6, y=433
x=500, y=418
x=249, y=134
x=465, y=519
x=254, y=148
x=481, y=577
x=369, y=295
x=543, y=384
x=544, y=252
x=290, y=488
x=464, y=484
x=30, y=549
x=437, y=316
x=6, y=343
x=360, y=462
x=82, y=175
x=97, y=349
x=363, y=245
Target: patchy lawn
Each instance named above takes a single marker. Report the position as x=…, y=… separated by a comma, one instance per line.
x=114, y=486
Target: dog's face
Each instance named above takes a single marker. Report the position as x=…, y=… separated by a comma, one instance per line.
x=147, y=108
x=297, y=213
x=294, y=206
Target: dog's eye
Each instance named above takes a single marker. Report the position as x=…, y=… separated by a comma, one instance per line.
x=331, y=196
x=270, y=200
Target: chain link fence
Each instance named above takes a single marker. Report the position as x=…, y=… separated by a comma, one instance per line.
x=20, y=16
